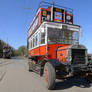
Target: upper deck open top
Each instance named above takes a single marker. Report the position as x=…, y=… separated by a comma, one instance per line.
x=51, y=13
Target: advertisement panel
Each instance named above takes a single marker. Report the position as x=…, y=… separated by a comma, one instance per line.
x=46, y=15
x=69, y=18
x=34, y=25
x=58, y=14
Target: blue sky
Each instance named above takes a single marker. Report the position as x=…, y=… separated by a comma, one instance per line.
x=15, y=19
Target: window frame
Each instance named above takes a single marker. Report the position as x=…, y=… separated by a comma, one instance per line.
x=38, y=32
x=63, y=38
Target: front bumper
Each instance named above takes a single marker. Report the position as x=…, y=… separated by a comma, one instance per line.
x=81, y=69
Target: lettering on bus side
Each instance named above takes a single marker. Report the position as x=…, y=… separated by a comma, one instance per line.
x=34, y=25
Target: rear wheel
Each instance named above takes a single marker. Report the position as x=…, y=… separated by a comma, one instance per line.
x=50, y=75
x=30, y=66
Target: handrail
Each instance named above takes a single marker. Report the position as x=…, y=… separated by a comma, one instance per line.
x=43, y=3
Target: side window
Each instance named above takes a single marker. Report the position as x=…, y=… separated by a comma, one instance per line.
x=29, y=44
x=36, y=39
x=33, y=42
x=42, y=36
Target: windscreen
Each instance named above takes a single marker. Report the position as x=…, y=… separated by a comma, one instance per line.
x=56, y=35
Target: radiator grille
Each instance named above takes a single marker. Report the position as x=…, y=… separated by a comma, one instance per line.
x=78, y=56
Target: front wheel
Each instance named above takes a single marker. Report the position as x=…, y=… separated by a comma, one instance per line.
x=50, y=75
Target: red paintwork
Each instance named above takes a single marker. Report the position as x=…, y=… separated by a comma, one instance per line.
x=63, y=51
x=46, y=51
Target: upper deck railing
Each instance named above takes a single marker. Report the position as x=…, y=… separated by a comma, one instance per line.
x=44, y=4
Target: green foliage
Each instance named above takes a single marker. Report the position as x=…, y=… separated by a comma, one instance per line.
x=22, y=50
x=1, y=48
x=2, y=43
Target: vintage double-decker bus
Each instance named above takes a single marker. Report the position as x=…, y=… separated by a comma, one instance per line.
x=53, y=44
x=39, y=39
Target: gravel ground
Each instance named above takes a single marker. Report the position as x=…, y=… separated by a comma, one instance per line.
x=15, y=77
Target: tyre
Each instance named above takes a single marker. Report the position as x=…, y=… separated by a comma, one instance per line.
x=30, y=66
x=50, y=76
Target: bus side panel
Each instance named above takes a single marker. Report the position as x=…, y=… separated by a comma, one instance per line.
x=52, y=50
x=39, y=51
x=31, y=52
x=36, y=51
x=43, y=50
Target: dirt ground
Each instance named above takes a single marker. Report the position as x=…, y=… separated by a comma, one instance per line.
x=15, y=77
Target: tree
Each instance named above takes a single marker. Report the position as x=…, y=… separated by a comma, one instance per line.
x=22, y=51
x=2, y=43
